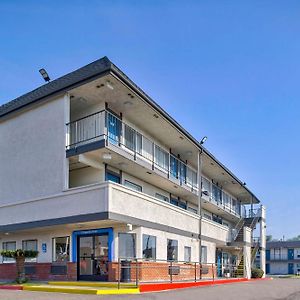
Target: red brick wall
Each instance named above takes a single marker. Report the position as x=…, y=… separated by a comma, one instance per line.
x=42, y=272
x=159, y=271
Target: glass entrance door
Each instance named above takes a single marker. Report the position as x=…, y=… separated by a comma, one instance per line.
x=93, y=257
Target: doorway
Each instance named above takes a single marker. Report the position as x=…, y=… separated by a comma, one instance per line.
x=93, y=257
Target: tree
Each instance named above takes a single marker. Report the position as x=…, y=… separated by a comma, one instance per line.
x=20, y=255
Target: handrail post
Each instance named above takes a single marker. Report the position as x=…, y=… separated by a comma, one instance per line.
x=171, y=272
x=213, y=272
x=195, y=264
x=119, y=273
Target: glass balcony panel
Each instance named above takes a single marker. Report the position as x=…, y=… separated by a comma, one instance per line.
x=129, y=137
x=161, y=158
x=173, y=167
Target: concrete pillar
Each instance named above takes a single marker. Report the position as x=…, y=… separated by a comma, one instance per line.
x=263, y=240
x=247, y=252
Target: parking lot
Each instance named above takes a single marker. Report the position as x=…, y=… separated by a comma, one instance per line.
x=288, y=289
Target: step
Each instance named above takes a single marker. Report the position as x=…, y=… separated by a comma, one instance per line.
x=80, y=289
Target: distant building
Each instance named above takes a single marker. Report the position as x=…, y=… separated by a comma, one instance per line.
x=283, y=257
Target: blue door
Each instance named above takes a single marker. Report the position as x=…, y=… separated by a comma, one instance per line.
x=219, y=264
x=290, y=254
x=267, y=254
x=267, y=268
x=291, y=268
x=114, y=128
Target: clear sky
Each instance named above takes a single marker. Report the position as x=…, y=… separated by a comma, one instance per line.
x=226, y=69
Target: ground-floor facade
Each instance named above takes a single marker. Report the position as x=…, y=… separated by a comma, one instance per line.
x=95, y=251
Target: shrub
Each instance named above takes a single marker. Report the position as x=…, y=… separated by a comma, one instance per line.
x=257, y=273
x=19, y=253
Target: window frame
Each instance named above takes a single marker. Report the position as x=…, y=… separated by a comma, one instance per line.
x=8, y=259
x=190, y=254
x=54, y=249
x=139, y=187
x=33, y=259
x=134, y=245
x=175, y=248
x=143, y=248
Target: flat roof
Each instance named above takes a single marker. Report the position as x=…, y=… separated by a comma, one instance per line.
x=90, y=72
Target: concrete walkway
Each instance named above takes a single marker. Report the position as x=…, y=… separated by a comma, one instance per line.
x=277, y=289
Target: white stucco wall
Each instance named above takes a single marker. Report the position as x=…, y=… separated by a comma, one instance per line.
x=32, y=147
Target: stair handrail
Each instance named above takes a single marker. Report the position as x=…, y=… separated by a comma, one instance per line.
x=237, y=228
x=256, y=217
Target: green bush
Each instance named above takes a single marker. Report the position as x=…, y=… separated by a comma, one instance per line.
x=257, y=273
x=19, y=253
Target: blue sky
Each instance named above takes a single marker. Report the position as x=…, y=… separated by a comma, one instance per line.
x=226, y=69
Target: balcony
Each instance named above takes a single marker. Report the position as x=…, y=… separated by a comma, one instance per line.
x=104, y=129
x=219, y=201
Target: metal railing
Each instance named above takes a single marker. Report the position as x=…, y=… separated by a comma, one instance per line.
x=134, y=271
x=106, y=125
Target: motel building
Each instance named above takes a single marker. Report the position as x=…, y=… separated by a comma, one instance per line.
x=94, y=172
x=283, y=257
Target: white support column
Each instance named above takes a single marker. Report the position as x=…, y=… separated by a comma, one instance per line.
x=247, y=252
x=263, y=240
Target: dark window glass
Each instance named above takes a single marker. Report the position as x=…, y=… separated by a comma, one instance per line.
x=61, y=249
x=172, y=250
x=127, y=245
x=112, y=177
x=149, y=246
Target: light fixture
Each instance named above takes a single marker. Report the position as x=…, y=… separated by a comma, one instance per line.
x=106, y=156
x=203, y=140
x=109, y=85
x=148, y=172
x=130, y=95
x=6, y=233
x=181, y=137
x=128, y=103
x=189, y=153
x=122, y=164
x=45, y=75
x=155, y=116
x=99, y=86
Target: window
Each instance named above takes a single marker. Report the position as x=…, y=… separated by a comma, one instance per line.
x=225, y=224
x=113, y=177
x=61, y=249
x=149, y=246
x=129, y=137
x=172, y=250
x=182, y=204
x=161, y=158
x=204, y=254
x=205, y=186
x=8, y=246
x=217, y=219
x=139, y=143
x=30, y=245
x=206, y=216
x=187, y=254
x=133, y=186
x=161, y=197
x=216, y=194
x=174, y=201
x=173, y=166
x=127, y=245
x=193, y=210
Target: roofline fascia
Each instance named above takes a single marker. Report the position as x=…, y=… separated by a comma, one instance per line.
x=117, y=72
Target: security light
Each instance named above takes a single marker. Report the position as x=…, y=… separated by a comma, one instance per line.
x=45, y=75
x=203, y=140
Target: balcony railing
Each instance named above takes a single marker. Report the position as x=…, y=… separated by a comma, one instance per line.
x=105, y=125
x=222, y=199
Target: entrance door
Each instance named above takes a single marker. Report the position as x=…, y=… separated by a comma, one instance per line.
x=93, y=257
x=291, y=268
x=290, y=254
x=268, y=268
